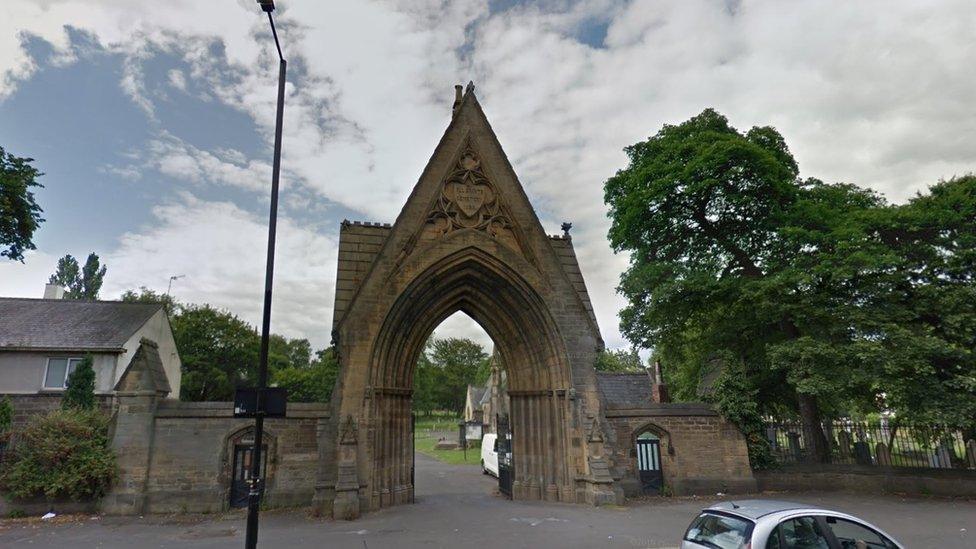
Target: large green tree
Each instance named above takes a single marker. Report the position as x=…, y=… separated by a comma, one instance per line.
x=80, y=282
x=720, y=232
x=312, y=381
x=619, y=360
x=20, y=216
x=444, y=371
x=146, y=295
x=822, y=299
x=219, y=352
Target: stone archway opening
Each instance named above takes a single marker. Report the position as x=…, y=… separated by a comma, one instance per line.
x=450, y=380
x=475, y=284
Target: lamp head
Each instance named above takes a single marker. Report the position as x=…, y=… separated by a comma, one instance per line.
x=267, y=5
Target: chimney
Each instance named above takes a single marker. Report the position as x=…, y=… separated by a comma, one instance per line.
x=53, y=291
x=659, y=391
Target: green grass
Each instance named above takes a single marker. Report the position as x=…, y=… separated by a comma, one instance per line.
x=442, y=424
x=438, y=421
x=425, y=445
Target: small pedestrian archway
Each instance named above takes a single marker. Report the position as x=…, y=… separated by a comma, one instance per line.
x=466, y=240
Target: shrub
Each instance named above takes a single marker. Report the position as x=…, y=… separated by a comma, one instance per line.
x=80, y=393
x=6, y=415
x=736, y=401
x=63, y=454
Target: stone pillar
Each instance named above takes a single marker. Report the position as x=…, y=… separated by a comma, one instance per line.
x=346, y=505
x=132, y=442
x=137, y=393
x=325, y=434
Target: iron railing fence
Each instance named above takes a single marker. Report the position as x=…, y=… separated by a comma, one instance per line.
x=884, y=443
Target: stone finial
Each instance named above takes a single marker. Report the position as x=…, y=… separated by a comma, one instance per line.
x=457, y=98
x=566, y=227
x=145, y=371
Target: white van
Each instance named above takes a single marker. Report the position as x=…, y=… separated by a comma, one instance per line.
x=489, y=454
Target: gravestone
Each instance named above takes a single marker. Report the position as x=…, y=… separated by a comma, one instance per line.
x=862, y=453
x=971, y=453
x=844, y=441
x=883, y=454
x=795, y=449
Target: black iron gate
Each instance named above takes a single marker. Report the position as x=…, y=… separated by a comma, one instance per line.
x=649, y=464
x=243, y=454
x=506, y=470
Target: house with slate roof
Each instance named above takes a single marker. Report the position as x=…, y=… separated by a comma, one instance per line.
x=43, y=340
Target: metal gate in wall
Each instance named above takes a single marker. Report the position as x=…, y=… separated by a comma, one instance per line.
x=506, y=471
x=649, y=463
x=243, y=456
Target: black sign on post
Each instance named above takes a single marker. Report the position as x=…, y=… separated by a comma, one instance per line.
x=246, y=402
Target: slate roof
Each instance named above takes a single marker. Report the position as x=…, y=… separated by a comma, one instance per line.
x=70, y=325
x=625, y=390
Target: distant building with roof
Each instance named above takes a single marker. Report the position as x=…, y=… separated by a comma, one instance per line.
x=472, y=403
x=43, y=340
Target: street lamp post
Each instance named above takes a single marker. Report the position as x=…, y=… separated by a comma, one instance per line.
x=255, y=481
x=170, y=285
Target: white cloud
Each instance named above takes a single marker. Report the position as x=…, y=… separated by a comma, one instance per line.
x=221, y=250
x=875, y=92
x=27, y=279
x=178, y=159
x=177, y=79
x=462, y=325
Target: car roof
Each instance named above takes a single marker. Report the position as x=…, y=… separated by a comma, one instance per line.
x=756, y=508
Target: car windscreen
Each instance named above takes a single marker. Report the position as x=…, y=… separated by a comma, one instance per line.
x=720, y=531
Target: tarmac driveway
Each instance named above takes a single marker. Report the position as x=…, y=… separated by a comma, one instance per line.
x=457, y=506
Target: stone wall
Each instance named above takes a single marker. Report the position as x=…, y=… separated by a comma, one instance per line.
x=29, y=405
x=191, y=452
x=177, y=456
x=701, y=452
x=870, y=480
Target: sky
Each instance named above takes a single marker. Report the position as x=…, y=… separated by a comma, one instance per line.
x=153, y=121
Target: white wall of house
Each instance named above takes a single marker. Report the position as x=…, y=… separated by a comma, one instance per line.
x=23, y=372
x=156, y=329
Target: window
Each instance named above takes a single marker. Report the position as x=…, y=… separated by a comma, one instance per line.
x=798, y=533
x=851, y=535
x=720, y=531
x=58, y=370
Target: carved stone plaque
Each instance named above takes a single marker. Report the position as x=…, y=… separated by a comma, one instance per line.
x=469, y=198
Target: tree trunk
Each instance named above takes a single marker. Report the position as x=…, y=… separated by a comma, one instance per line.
x=813, y=435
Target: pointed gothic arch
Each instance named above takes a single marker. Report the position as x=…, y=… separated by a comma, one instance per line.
x=466, y=240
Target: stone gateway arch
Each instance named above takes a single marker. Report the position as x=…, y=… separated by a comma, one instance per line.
x=466, y=240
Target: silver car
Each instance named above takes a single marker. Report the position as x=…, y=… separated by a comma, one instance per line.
x=766, y=524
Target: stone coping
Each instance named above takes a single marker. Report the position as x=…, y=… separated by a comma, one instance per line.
x=664, y=409
x=879, y=470
x=176, y=408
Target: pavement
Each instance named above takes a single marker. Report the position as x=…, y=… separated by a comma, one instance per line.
x=457, y=506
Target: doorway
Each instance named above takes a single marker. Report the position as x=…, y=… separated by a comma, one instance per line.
x=649, y=463
x=243, y=461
